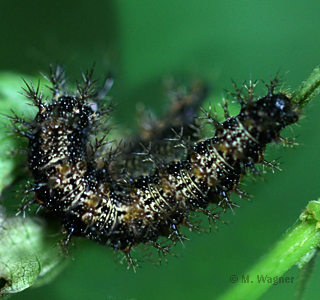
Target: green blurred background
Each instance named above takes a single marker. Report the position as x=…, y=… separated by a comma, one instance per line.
x=141, y=42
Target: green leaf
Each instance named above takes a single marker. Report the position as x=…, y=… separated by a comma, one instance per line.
x=27, y=255
x=10, y=99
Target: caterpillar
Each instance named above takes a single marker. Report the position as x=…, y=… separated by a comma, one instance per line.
x=82, y=189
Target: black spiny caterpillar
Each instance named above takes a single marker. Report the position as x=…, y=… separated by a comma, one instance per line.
x=82, y=189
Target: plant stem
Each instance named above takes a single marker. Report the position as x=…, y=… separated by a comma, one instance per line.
x=309, y=89
x=302, y=238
